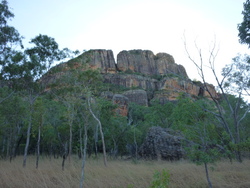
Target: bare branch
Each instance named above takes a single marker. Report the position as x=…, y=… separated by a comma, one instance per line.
x=7, y=97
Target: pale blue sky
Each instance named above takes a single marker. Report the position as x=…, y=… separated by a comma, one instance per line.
x=156, y=25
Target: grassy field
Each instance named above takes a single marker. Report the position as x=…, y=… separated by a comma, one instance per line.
x=119, y=174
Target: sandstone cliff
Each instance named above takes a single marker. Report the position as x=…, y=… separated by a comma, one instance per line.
x=145, y=62
x=145, y=76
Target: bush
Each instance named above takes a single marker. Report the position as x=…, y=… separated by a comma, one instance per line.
x=161, y=180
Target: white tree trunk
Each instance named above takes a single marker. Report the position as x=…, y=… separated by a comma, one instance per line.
x=101, y=132
x=27, y=144
x=84, y=155
x=38, y=146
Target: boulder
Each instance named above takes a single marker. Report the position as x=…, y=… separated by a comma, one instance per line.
x=162, y=144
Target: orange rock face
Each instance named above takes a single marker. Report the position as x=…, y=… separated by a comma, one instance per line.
x=157, y=75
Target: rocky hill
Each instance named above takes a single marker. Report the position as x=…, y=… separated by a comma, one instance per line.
x=145, y=76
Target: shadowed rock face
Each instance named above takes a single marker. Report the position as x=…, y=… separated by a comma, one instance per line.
x=162, y=144
x=138, y=96
x=131, y=81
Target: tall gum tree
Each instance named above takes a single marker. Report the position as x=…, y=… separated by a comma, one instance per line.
x=40, y=59
x=244, y=26
x=198, y=126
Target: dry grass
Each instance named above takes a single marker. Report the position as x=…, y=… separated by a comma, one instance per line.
x=119, y=174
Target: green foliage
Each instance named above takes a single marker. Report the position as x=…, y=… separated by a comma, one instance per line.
x=242, y=109
x=66, y=104
x=161, y=179
x=245, y=25
x=129, y=71
x=43, y=54
x=9, y=40
x=197, y=82
x=237, y=78
x=199, y=127
x=9, y=35
x=160, y=115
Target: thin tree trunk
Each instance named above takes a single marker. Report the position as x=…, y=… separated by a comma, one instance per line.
x=3, y=148
x=70, y=141
x=207, y=175
x=31, y=102
x=114, y=152
x=38, y=146
x=10, y=145
x=64, y=155
x=16, y=143
x=101, y=132
x=8, y=148
x=27, y=143
x=96, y=140
x=136, y=149
x=84, y=155
x=238, y=153
x=71, y=118
x=81, y=150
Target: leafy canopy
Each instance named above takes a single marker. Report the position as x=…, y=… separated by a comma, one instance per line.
x=244, y=27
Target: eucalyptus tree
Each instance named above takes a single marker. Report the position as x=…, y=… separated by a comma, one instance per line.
x=92, y=80
x=237, y=77
x=204, y=143
x=9, y=39
x=38, y=61
x=39, y=121
x=12, y=119
x=20, y=68
x=113, y=123
x=244, y=26
x=231, y=76
x=84, y=85
x=55, y=128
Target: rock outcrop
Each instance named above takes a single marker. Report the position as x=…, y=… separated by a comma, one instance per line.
x=162, y=144
x=145, y=62
x=158, y=75
x=95, y=59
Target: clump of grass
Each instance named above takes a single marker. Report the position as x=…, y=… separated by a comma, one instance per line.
x=119, y=174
